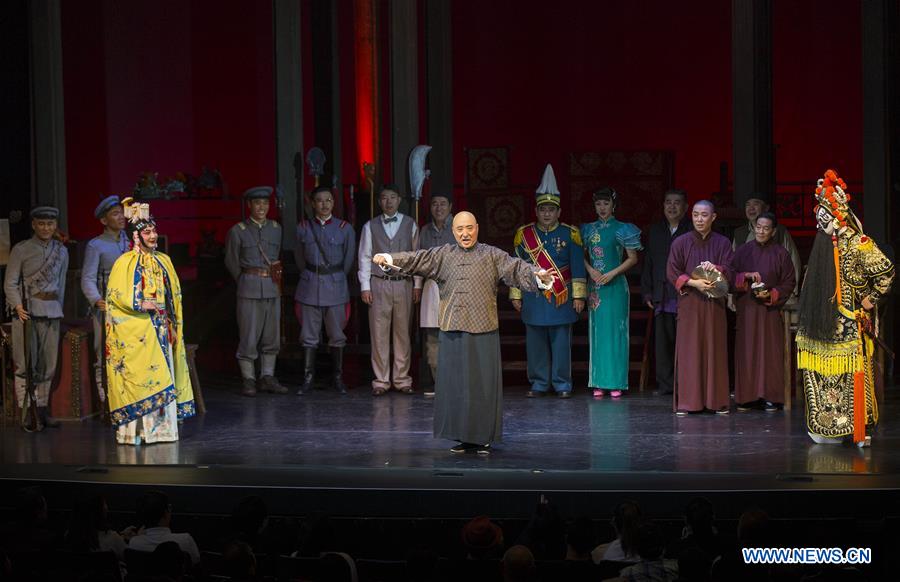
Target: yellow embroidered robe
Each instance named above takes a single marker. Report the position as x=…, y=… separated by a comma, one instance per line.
x=146, y=365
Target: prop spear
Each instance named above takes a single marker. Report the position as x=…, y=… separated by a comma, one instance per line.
x=418, y=173
x=369, y=171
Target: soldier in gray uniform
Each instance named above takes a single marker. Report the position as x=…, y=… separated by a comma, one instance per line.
x=36, y=277
x=99, y=255
x=324, y=254
x=252, y=255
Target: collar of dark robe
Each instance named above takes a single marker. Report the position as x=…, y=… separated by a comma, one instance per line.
x=701, y=237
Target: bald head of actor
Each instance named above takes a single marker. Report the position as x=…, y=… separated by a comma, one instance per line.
x=465, y=229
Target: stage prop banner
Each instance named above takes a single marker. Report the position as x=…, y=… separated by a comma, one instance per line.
x=639, y=177
x=499, y=208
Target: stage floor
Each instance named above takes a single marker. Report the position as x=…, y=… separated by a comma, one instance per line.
x=637, y=433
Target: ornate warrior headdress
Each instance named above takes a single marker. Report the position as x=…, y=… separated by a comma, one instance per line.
x=833, y=213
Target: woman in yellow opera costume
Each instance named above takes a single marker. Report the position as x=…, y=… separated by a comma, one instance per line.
x=846, y=278
x=149, y=386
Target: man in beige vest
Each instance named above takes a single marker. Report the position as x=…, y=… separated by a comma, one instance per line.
x=390, y=297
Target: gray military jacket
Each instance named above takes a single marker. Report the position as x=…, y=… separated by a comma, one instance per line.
x=323, y=280
x=242, y=251
x=37, y=268
x=99, y=256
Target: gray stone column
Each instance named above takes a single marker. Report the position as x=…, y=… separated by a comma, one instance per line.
x=404, y=87
x=439, y=73
x=751, y=59
x=49, y=138
x=288, y=113
x=881, y=173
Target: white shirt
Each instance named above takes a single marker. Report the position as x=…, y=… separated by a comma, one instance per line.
x=365, y=249
x=153, y=536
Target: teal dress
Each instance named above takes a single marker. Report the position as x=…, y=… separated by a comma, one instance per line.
x=604, y=245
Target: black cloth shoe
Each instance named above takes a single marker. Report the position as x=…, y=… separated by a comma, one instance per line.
x=534, y=394
x=483, y=449
x=271, y=384
x=771, y=407
x=309, y=370
x=464, y=448
x=566, y=394
x=248, y=387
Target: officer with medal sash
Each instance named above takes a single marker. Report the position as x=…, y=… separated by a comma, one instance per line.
x=252, y=256
x=549, y=315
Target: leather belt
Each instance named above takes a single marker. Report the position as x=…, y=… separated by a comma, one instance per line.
x=390, y=277
x=255, y=271
x=320, y=270
x=45, y=295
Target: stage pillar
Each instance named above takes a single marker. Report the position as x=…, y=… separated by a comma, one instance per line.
x=48, y=129
x=439, y=73
x=288, y=113
x=751, y=70
x=403, y=46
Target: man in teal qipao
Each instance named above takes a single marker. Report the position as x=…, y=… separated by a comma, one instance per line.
x=549, y=315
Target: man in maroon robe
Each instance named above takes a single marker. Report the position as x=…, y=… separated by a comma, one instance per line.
x=764, y=279
x=701, y=343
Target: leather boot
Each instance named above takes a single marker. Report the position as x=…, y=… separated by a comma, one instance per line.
x=309, y=370
x=337, y=362
x=45, y=418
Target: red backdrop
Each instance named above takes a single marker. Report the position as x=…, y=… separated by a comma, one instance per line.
x=650, y=75
x=171, y=86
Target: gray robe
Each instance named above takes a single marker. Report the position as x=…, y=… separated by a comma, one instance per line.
x=469, y=391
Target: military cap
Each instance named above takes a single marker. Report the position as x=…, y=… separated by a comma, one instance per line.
x=45, y=212
x=106, y=205
x=258, y=192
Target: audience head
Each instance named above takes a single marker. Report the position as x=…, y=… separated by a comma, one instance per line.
x=753, y=528
x=30, y=506
x=240, y=563
x=699, y=516
x=482, y=538
x=154, y=510
x=580, y=536
x=88, y=519
x=649, y=542
x=518, y=565
x=625, y=518
x=249, y=516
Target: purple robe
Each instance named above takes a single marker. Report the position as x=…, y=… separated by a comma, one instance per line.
x=701, y=343
x=759, y=332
